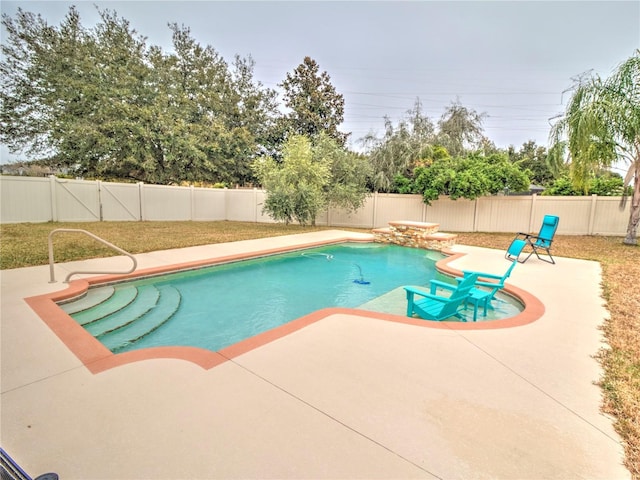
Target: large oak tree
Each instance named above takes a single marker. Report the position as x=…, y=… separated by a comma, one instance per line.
x=101, y=102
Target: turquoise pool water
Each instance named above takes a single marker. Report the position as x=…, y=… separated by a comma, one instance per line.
x=218, y=306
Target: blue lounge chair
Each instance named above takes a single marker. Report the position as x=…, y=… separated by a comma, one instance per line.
x=540, y=243
x=436, y=307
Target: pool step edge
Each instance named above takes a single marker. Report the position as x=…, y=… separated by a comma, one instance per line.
x=146, y=298
x=168, y=304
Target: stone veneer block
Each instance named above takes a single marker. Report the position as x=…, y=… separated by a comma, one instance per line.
x=415, y=234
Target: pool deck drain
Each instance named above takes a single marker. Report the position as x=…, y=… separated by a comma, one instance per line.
x=345, y=397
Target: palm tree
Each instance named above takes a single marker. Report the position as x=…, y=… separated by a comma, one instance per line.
x=602, y=126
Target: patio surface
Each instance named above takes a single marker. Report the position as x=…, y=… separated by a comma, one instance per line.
x=344, y=397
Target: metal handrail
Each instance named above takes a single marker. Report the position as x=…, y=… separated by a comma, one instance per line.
x=95, y=237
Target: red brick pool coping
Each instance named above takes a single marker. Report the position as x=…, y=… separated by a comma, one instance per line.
x=98, y=358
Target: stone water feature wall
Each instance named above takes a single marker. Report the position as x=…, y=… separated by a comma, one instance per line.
x=415, y=234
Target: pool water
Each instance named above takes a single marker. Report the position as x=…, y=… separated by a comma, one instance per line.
x=217, y=306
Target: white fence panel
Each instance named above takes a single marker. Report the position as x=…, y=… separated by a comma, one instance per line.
x=76, y=201
x=391, y=207
x=29, y=199
x=120, y=201
x=503, y=214
x=452, y=215
x=209, y=204
x=25, y=199
x=242, y=205
x=164, y=203
x=574, y=213
x=608, y=219
x=363, y=218
x=261, y=217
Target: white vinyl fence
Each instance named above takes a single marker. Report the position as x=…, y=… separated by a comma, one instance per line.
x=35, y=200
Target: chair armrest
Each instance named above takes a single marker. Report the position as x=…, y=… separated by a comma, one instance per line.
x=488, y=284
x=536, y=241
x=417, y=291
x=536, y=237
x=434, y=284
x=481, y=274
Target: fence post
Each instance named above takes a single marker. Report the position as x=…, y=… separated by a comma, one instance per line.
x=592, y=214
x=475, y=214
x=141, y=200
x=375, y=210
x=52, y=194
x=532, y=211
x=99, y=187
x=227, y=192
x=255, y=202
x=192, y=199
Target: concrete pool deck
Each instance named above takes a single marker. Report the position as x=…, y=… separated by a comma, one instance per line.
x=344, y=397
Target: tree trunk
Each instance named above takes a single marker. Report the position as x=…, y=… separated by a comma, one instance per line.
x=634, y=216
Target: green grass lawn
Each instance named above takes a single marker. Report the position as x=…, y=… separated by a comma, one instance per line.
x=23, y=245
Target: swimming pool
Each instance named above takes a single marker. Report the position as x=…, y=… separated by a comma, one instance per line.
x=217, y=306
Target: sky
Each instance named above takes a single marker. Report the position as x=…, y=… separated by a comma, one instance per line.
x=514, y=61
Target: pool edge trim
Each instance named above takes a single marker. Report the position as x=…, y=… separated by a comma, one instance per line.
x=98, y=358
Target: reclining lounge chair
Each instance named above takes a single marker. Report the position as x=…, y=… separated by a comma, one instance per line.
x=540, y=244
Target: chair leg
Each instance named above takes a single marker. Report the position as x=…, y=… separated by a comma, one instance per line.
x=409, y=304
x=550, y=260
x=527, y=257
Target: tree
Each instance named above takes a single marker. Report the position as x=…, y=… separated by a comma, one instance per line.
x=468, y=177
x=348, y=172
x=460, y=129
x=601, y=125
x=186, y=131
x=533, y=158
x=295, y=187
x=310, y=178
x=67, y=92
x=315, y=105
x=101, y=103
x=399, y=150
x=605, y=184
x=255, y=109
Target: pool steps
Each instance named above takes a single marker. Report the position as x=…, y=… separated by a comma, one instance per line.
x=121, y=316
x=168, y=303
x=92, y=298
x=146, y=298
x=112, y=304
